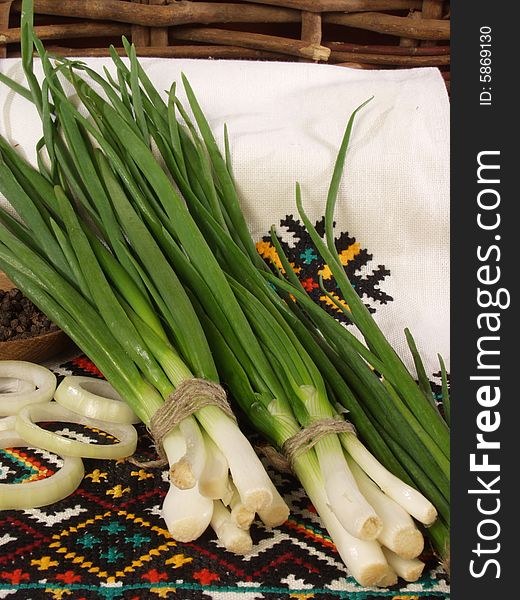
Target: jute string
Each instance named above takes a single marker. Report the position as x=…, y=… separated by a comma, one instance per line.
x=189, y=397
x=303, y=441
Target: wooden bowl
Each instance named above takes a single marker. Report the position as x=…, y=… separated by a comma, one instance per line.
x=33, y=349
x=5, y=282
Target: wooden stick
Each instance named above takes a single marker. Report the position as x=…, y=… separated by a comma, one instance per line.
x=319, y=6
x=5, y=282
x=5, y=9
x=353, y=65
x=311, y=28
x=158, y=35
x=67, y=31
x=393, y=50
x=385, y=59
x=427, y=29
x=140, y=34
x=217, y=52
x=407, y=42
x=431, y=9
x=178, y=13
x=255, y=41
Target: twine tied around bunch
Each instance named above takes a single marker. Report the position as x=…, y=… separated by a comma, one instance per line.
x=303, y=441
x=189, y=397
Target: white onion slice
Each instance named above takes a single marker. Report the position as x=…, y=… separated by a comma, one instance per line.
x=43, y=380
x=14, y=385
x=40, y=438
x=94, y=398
x=7, y=424
x=33, y=494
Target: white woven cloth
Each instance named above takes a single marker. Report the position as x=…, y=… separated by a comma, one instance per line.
x=286, y=121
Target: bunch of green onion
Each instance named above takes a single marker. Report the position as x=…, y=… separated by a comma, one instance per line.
x=100, y=272
x=157, y=289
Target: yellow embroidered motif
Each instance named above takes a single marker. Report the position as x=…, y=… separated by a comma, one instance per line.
x=44, y=563
x=68, y=536
x=57, y=593
x=163, y=592
x=117, y=491
x=345, y=256
x=330, y=302
x=177, y=560
x=141, y=474
x=100, y=432
x=96, y=476
x=268, y=252
x=326, y=273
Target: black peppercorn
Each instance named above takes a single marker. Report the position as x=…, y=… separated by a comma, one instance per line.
x=20, y=318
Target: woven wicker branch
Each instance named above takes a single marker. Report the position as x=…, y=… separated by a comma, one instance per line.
x=189, y=29
x=395, y=60
x=158, y=35
x=426, y=29
x=351, y=59
x=431, y=9
x=5, y=9
x=257, y=41
x=355, y=65
x=311, y=27
x=68, y=31
x=178, y=13
x=344, y=5
x=229, y=52
x=391, y=50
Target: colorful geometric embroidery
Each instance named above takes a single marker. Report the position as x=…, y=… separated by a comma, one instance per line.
x=309, y=266
x=30, y=466
x=107, y=541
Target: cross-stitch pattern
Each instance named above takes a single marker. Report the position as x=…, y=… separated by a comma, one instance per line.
x=309, y=265
x=108, y=541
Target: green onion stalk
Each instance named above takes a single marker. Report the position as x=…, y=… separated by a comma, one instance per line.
x=205, y=178
x=303, y=388
x=397, y=417
x=324, y=365
x=83, y=252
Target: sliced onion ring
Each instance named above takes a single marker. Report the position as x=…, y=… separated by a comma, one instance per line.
x=13, y=385
x=27, y=429
x=7, y=424
x=94, y=398
x=43, y=380
x=33, y=494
